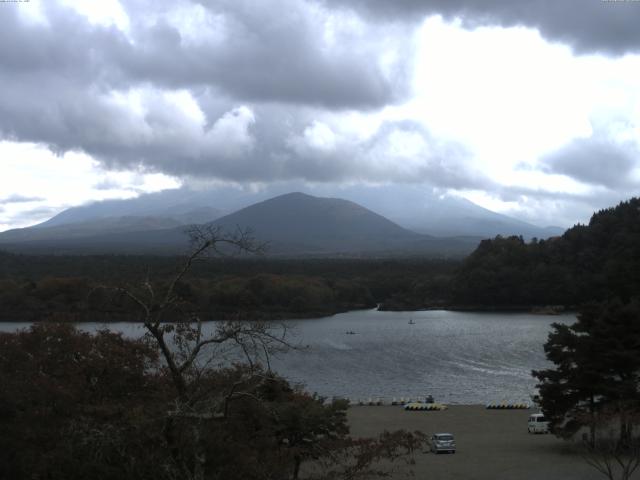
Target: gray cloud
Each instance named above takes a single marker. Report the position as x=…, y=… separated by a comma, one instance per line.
x=19, y=199
x=81, y=100
x=107, y=184
x=560, y=208
x=38, y=214
x=280, y=143
x=270, y=78
x=260, y=74
x=596, y=160
x=250, y=51
x=610, y=27
x=269, y=51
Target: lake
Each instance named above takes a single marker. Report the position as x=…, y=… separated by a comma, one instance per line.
x=458, y=357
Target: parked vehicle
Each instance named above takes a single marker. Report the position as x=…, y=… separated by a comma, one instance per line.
x=538, y=424
x=443, y=442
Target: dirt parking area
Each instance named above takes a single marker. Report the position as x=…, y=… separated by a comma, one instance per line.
x=491, y=444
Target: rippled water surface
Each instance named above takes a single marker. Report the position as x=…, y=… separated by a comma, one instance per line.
x=458, y=357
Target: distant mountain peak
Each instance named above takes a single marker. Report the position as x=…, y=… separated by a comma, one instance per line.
x=367, y=219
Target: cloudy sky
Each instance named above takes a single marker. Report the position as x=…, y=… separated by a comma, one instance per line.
x=530, y=108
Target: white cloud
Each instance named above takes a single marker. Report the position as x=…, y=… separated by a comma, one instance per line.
x=230, y=135
x=58, y=182
x=103, y=12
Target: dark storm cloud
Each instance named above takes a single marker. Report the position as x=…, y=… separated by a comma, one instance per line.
x=58, y=78
x=259, y=73
x=596, y=160
x=588, y=26
x=110, y=100
x=253, y=52
x=271, y=51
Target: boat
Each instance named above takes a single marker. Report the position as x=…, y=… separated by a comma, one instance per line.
x=411, y=322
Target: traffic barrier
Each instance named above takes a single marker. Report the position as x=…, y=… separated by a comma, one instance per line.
x=417, y=406
x=508, y=406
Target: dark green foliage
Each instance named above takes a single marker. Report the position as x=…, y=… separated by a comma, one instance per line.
x=77, y=406
x=62, y=288
x=597, y=367
x=594, y=262
x=69, y=400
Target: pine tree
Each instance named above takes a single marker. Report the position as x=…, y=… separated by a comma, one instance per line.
x=597, y=367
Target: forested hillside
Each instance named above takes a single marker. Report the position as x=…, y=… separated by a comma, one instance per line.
x=589, y=262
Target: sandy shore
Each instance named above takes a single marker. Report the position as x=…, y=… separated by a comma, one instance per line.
x=492, y=444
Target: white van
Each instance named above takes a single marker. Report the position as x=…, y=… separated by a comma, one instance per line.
x=538, y=424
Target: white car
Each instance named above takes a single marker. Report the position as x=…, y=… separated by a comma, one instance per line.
x=443, y=442
x=538, y=424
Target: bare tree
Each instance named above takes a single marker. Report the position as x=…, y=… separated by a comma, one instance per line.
x=192, y=353
x=188, y=351
x=615, y=450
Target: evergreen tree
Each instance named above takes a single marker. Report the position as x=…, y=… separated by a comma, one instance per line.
x=597, y=367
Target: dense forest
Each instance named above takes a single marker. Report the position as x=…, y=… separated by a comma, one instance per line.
x=72, y=288
x=597, y=261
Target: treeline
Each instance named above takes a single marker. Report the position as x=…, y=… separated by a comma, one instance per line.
x=82, y=288
x=256, y=297
x=597, y=261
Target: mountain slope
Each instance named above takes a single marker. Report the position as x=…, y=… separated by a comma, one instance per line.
x=81, y=227
x=310, y=224
x=293, y=224
x=412, y=207
x=444, y=216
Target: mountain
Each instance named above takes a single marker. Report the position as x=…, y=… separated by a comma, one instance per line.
x=183, y=205
x=412, y=207
x=293, y=224
x=67, y=226
x=443, y=215
x=305, y=224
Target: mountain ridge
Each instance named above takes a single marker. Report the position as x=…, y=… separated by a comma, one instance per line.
x=294, y=224
x=413, y=208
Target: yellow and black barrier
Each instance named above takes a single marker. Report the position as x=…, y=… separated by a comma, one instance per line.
x=415, y=406
x=508, y=406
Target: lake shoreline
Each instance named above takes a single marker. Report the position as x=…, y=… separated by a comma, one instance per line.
x=534, y=309
x=544, y=310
